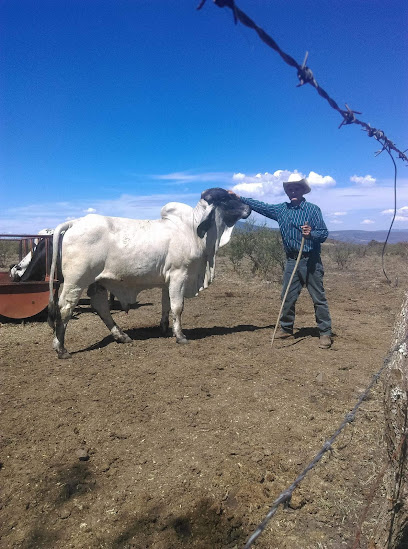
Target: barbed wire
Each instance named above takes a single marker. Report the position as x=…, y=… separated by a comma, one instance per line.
x=306, y=76
x=285, y=496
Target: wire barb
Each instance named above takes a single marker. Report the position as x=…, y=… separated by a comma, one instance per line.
x=348, y=116
x=306, y=76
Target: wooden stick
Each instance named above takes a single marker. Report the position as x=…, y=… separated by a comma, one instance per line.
x=288, y=286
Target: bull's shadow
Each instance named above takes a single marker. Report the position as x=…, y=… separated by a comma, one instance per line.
x=193, y=334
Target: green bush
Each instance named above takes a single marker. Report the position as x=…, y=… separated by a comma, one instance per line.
x=343, y=254
x=375, y=247
x=261, y=246
x=400, y=249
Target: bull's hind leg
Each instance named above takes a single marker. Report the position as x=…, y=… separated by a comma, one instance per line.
x=164, y=322
x=66, y=304
x=176, y=293
x=99, y=301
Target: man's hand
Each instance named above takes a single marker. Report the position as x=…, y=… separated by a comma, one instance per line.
x=306, y=230
x=234, y=195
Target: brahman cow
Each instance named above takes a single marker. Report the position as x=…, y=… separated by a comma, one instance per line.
x=33, y=265
x=126, y=256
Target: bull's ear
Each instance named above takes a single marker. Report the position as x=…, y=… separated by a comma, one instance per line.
x=226, y=236
x=205, y=218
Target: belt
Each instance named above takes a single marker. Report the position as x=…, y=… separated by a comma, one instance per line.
x=294, y=254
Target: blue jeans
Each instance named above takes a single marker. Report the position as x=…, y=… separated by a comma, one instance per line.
x=310, y=274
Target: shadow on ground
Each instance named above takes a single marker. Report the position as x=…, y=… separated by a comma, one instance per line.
x=55, y=497
x=204, y=526
x=143, y=334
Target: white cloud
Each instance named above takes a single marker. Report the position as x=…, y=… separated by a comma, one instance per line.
x=316, y=180
x=90, y=210
x=248, y=188
x=355, y=199
x=364, y=181
x=401, y=213
x=34, y=217
x=336, y=222
x=189, y=177
x=349, y=202
x=367, y=222
x=269, y=185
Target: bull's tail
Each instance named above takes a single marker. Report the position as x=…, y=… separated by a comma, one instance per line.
x=53, y=299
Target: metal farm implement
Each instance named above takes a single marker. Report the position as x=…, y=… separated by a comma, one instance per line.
x=20, y=300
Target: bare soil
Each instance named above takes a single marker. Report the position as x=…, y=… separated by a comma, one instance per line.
x=158, y=445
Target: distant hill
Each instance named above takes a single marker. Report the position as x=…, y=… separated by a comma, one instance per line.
x=364, y=237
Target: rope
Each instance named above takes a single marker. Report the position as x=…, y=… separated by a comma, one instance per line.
x=287, y=288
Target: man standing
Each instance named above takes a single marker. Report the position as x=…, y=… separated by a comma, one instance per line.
x=296, y=219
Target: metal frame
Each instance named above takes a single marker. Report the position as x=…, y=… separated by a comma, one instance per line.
x=20, y=300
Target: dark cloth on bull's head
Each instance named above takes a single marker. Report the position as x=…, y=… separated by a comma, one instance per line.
x=40, y=263
x=231, y=207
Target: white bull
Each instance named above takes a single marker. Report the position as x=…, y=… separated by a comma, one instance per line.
x=126, y=256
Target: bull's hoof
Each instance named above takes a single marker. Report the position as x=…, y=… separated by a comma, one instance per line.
x=182, y=340
x=63, y=354
x=124, y=338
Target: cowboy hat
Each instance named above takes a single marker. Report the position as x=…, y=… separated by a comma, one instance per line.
x=303, y=182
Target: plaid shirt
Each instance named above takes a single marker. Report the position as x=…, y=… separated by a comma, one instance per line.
x=290, y=219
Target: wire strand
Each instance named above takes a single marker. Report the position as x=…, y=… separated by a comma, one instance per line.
x=393, y=217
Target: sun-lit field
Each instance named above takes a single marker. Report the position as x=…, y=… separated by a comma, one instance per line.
x=158, y=445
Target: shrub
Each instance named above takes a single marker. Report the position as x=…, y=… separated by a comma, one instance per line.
x=342, y=253
x=400, y=249
x=375, y=247
x=262, y=246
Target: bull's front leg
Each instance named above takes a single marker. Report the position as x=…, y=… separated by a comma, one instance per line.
x=176, y=294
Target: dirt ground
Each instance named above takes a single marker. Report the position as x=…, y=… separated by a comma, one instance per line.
x=158, y=445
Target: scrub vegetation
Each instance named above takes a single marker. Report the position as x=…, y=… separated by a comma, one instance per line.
x=258, y=249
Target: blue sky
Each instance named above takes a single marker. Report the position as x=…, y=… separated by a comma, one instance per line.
x=118, y=107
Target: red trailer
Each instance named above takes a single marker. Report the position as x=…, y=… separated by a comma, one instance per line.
x=20, y=300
